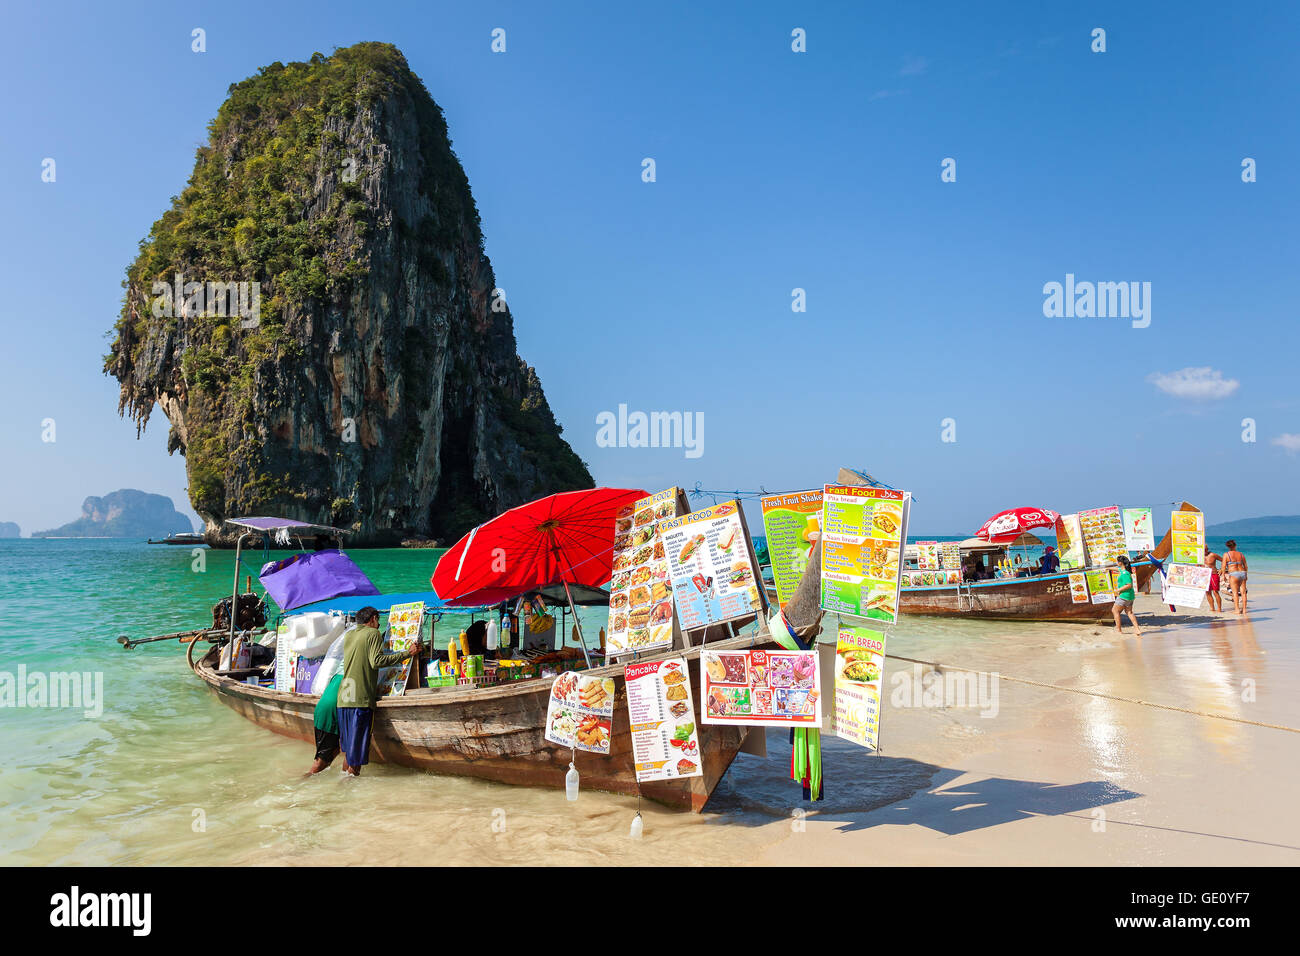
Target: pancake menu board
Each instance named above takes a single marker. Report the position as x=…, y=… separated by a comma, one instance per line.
x=1187, y=534
x=859, y=670
x=714, y=573
x=862, y=534
x=792, y=523
x=640, y=595
x=665, y=740
x=760, y=688
x=1103, y=534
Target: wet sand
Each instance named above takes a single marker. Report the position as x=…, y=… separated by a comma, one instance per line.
x=1063, y=778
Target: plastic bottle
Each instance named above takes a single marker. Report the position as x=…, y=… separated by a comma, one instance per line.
x=637, y=827
x=492, y=635
x=571, y=783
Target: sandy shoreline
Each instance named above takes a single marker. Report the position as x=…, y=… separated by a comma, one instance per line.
x=1063, y=778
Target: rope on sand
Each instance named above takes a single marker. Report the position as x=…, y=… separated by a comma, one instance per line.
x=1093, y=693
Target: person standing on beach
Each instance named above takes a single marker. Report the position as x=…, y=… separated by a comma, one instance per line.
x=1212, y=592
x=363, y=655
x=1234, y=566
x=1124, y=596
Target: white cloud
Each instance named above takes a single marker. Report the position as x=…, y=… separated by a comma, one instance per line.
x=885, y=94
x=1196, y=383
x=1288, y=441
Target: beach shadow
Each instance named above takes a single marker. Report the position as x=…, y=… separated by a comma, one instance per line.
x=990, y=803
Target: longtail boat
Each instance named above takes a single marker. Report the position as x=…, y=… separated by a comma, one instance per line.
x=496, y=733
x=1044, y=597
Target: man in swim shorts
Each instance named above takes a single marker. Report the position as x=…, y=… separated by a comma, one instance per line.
x=1212, y=592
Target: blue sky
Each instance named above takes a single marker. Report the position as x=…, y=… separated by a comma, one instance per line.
x=775, y=170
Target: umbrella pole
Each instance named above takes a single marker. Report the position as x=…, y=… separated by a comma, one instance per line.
x=572, y=607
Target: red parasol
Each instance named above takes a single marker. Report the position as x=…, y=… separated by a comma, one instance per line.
x=1005, y=526
x=561, y=539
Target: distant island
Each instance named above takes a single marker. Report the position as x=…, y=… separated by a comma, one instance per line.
x=126, y=513
x=1282, y=525
x=10, y=530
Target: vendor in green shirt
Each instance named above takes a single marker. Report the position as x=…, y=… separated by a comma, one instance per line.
x=1124, y=596
x=363, y=655
x=326, y=720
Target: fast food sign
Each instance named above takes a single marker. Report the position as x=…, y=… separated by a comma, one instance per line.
x=712, y=567
x=863, y=530
x=761, y=688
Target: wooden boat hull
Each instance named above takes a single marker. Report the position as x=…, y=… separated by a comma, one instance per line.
x=1042, y=598
x=496, y=733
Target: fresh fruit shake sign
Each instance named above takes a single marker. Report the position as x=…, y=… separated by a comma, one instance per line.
x=859, y=672
x=792, y=523
x=665, y=740
x=760, y=688
x=863, y=530
x=711, y=564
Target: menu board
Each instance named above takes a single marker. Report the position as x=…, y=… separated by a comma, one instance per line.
x=640, y=595
x=760, y=687
x=927, y=555
x=1079, y=587
x=404, y=623
x=1069, y=542
x=950, y=556
x=1139, y=532
x=1185, y=585
x=929, y=579
x=863, y=530
x=859, y=672
x=792, y=523
x=1100, y=587
x=1103, y=534
x=1187, y=533
x=286, y=661
x=580, y=713
x=712, y=567
x=665, y=740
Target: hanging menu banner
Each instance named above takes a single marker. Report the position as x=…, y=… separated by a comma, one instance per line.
x=950, y=556
x=1100, y=586
x=859, y=672
x=580, y=713
x=792, y=523
x=712, y=567
x=1139, y=531
x=404, y=623
x=1103, y=534
x=1079, y=587
x=760, y=687
x=1069, y=542
x=286, y=661
x=665, y=740
x=863, y=530
x=640, y=593
x=927, y=555
x=1185, y=585
x=1187, y=533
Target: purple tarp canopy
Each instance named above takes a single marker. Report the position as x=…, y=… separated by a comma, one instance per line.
x=318, y=576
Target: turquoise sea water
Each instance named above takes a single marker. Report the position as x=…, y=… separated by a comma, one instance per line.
x=120, y=786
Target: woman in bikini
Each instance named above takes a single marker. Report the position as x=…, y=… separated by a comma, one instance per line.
x=1234, y=566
